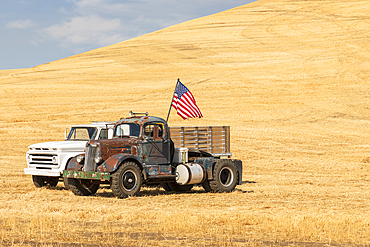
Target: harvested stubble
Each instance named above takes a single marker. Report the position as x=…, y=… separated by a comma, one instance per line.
x=290, y=78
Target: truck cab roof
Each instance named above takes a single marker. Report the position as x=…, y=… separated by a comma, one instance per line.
x=101, y=124
x=140, y=120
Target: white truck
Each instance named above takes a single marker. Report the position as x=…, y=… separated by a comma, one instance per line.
x=46, y=161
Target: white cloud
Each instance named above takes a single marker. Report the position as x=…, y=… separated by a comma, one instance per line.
x=87, y=29
x=20, y=24
x=87, y=3
x=104, y=22
x=107, y=6
x=88, y=24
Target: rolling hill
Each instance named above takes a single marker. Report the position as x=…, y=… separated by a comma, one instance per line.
x=291, y=78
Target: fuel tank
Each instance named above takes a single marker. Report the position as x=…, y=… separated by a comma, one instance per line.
x=190, y=173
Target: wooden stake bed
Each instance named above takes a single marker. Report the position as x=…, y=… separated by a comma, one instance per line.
x=211, y=139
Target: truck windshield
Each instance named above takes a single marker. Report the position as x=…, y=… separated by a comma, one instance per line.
x=127, y=129
x=82, y=134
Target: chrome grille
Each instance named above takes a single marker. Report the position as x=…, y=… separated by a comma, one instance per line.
x=90, y=155
x=41, y=159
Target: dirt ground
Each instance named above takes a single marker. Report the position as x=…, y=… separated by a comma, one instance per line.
x=291, y=78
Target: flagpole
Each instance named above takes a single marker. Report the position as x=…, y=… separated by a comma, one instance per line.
x=169, y=111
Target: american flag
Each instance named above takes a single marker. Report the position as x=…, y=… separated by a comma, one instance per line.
x=184, y=102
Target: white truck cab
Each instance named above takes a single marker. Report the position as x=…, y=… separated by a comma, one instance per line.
x=46, y=161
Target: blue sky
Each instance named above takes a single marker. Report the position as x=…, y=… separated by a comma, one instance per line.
x=34, y=32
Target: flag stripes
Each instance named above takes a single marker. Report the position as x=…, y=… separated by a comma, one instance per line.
x=184, y=103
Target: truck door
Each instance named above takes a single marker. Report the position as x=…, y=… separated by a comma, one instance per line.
x=156, y=147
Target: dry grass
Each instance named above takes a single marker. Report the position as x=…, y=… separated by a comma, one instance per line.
x=291, y=78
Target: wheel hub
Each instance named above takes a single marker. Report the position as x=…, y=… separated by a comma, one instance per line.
x=226, y=176
x=129, y=180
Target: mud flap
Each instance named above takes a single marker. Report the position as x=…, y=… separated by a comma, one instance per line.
x=239, y=168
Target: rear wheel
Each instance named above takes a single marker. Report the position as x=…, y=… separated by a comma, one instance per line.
x=127, y=180
x=225, y=176
x=82, y=187
x=206, y=186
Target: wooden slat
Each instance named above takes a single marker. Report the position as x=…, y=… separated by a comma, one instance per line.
x=213, y=139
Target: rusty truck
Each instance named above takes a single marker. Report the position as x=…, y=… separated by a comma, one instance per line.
x=144, y=150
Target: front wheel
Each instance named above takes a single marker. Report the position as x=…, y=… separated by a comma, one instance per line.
x=65, y=182
x=39, y=181
x=42, y=181
x=127, y=180
x=53, y=181
x=225, y=177
x=82, y=187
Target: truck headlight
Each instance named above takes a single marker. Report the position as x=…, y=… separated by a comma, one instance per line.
x=54, y=160
x=80, y=158
x=98, y=159
x=29, y=158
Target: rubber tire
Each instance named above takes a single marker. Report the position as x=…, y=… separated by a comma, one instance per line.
x=65, y=182
x=65, y=179
x=82, y=187
x=53, y=181
x=180, y=188
x=39, y=181
x=225, y=176
x=166, y=187
x=121, y=187
x=206, y=186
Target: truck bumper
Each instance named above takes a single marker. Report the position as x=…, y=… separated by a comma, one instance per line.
x=86, y=175
x=41, y=172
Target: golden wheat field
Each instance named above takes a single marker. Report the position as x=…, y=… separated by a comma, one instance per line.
x=291, y=78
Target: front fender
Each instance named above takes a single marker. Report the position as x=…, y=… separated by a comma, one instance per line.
x=64, y=163
x=73, y=165
x=112, y=164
